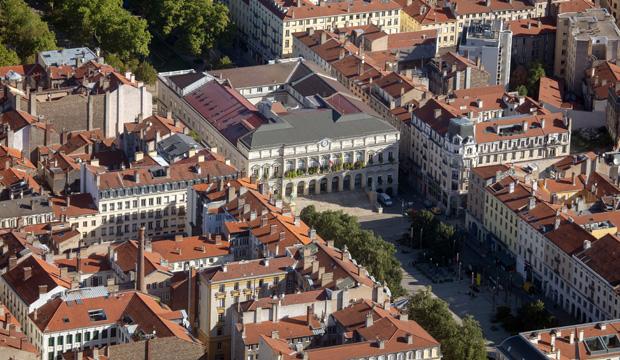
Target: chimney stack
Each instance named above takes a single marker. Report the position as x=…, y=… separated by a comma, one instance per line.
x=369, y=319
x=140, y=285
x=27, y=273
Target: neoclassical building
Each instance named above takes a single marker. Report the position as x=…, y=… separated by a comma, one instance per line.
x=289, y=124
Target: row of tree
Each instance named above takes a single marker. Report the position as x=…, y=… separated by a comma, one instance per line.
x=192, y=27
x=22, y=33
x=531, y=316
x=377, y=255
x=463, y=341
x=429, y=232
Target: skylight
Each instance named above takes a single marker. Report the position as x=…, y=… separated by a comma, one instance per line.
x=97, y=315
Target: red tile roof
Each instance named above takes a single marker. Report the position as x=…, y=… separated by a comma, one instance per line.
x=288, y=328
x=249, y=269
x=79, y=205
x=189, y=248
x=225, y=109
x=41, y=273
x=532, y=27
x=143, y=310
x=92, y=264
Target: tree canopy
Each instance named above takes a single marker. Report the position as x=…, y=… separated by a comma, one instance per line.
x=458, y=342
x=196, y=24
x=105, y=24
x=8, y=56
x=365, y=246
x=536, y=71
x=22, y=30
x=429, y=232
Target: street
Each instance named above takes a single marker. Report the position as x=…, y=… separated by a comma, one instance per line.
x=392, y=225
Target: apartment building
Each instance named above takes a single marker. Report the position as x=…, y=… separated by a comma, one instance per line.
x=152, y=193
x=591, y=340
x=533, y=41
x=612, y=115
x=221, y=288
x=268, y=25
x=554, y=232
x=476, y=127
x=13, y=343
x=89, y=318
x=451, y=71
x=357, y=150
x=29, y=284
x=580, y=39
x=419, y=15
x=599, y=80
x=491, y=42
x=368, y=327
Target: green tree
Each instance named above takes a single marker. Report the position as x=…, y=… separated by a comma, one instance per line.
x=224, y=63
x=370, y=250
x=8, y=56
x=22, y=30
x=536, y=71
x=458, y=342
x=424, y=224
x=522, y=90
x=197, y=24
x=105, y=24
x=146, y=72
x=466, y=343
x=533, y=316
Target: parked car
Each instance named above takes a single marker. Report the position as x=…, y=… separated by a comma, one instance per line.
x=436, y=210
x=384, y=199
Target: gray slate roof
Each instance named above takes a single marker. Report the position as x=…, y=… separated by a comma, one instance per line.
x=176, y=145
x=312, y=125
x=66, y=56
x=260, y=75
x=518, y=348
x=34, y=205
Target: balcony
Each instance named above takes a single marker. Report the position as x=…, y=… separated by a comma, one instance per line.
x=220, y=295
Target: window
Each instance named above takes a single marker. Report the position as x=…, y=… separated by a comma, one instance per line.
x=78, y=337
x=50, y=342
x=97, y=315
x=69, y=339
x=96, y=335
x=87, y=336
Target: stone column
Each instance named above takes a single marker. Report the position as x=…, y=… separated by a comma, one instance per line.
x=294, y=192
x=329, y=184
x=363, y=173
x=341, y=183
x=317, y=187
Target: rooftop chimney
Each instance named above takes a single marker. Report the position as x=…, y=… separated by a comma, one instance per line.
x=27, y=273
x=42, y=289
x=140, y=285
x=309, y=314
x=178, y=238
x=273, y=228
x=218, y=239
x=369, y=319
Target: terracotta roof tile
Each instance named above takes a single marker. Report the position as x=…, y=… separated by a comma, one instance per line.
x=26, y=286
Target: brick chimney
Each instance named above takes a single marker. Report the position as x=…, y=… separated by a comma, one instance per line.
x=27, y=273
x=140, y=285
x=309, y=314
x=218, y=239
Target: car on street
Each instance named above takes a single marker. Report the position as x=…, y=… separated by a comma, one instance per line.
x=436, y=210
x=384, y=199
